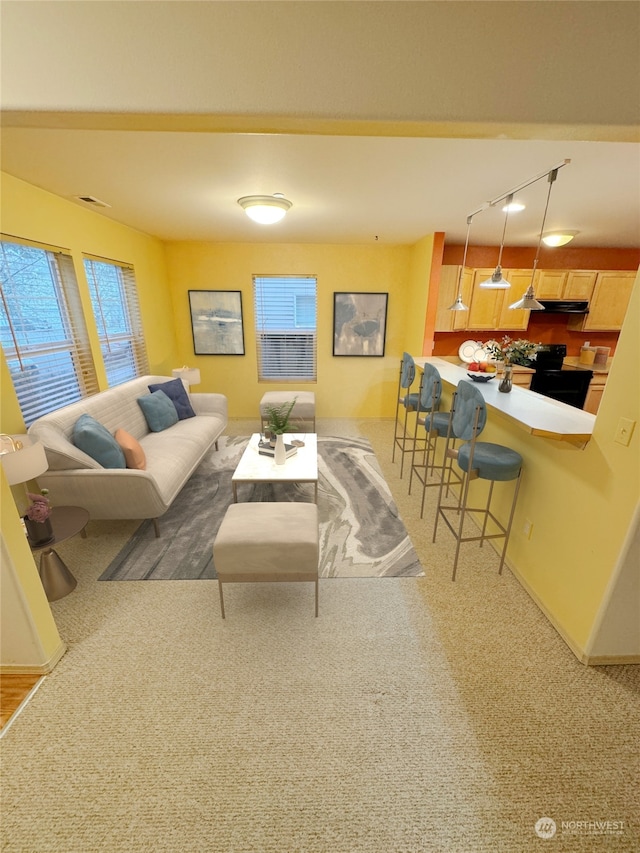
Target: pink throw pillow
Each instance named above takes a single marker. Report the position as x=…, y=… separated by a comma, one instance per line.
x=133, y=453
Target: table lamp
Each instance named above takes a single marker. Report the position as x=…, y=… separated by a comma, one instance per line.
x=190, y=375
x=24, y=460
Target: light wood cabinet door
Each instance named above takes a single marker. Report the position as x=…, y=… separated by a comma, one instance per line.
x=446, y=320
x=609, y=303
x=514, y=318
x=550, y=284
x=485, y=303
x=580, y=284
x=594, y=396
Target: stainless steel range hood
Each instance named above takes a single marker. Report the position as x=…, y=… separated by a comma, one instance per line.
x=565, y=306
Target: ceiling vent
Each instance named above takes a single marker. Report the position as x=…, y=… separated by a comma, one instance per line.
x=91, y=199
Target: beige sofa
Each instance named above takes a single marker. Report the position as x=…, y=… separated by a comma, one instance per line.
x=75, y=479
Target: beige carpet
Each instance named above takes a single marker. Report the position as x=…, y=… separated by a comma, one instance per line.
x=412, y=715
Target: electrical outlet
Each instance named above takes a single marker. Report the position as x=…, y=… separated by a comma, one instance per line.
x=527, y=529
x=624, y=431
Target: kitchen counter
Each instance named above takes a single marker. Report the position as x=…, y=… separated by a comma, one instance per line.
x=537, y=415
x=574, y=362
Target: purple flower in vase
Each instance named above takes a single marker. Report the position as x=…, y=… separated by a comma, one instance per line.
x=39, y=509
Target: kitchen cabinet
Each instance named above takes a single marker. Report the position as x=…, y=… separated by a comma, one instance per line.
x=595, y=392
x=489, y=309
x=608, y=305
x=451, y=321
x=564, y=284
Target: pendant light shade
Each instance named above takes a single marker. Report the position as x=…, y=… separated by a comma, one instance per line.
x=265, y=209
x=497, y=280
x=459, y=305
x=529, y=301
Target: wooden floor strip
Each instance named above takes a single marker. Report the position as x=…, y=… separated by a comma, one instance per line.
x=15, y=690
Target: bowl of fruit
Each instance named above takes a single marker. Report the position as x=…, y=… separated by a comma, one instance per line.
x=481, y=371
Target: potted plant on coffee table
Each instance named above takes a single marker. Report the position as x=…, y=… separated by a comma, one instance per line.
x=278, y=419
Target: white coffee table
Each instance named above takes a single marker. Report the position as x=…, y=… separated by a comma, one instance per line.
x=302, y=467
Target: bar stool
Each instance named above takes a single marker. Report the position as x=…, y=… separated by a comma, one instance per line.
x=477, y=460
x=406, y=402
x=435, y=424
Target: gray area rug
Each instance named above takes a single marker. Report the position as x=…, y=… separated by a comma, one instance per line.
x=361, y=533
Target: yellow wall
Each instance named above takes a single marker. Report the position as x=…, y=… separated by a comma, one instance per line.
x=346, y=386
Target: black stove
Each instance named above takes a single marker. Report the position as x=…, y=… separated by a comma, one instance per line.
x=551, y=379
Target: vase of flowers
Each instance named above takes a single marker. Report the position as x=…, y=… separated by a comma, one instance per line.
x=512, y=351
x=37, y=519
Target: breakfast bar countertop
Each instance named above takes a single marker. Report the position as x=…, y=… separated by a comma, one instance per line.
x=538, y=415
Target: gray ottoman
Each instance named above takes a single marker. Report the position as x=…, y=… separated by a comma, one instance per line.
x=304, y=409
x=260, y=542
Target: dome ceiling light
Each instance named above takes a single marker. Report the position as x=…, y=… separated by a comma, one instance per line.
x=558, y=238
x=265, y=209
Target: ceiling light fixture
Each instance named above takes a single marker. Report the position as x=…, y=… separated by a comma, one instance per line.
x=558, y=238
x=496, y=281
x=529, y=301
x=459, y=305
x=513, y=207
x=265, y=209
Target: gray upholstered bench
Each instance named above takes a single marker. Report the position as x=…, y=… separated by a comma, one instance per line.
x=303, y=410
x=260, y=542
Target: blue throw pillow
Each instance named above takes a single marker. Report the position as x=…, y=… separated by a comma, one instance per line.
x=158, y=410
x=177, y=393
x=97, y=442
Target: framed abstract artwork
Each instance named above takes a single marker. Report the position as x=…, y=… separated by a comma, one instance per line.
x=216, y=322
x=359, y=323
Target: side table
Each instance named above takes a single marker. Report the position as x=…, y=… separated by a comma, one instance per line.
x=57, y=580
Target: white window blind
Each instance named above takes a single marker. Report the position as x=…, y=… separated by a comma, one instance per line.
x=117, y=312
x=42, y=329
x=286, y=318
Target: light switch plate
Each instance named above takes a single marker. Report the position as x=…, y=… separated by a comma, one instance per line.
x=624, y=431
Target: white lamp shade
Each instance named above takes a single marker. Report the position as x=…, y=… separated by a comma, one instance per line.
x=264, y=209
x=496, y=281
x=558, y=238
x=24, y=464
x=191, y=375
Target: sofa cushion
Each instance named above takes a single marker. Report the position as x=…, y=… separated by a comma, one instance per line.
x=158, y=410
x=96, y=441
x=133, y=452
x=177, y=393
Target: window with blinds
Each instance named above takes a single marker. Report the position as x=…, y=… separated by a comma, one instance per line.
x=286, y=316
x=42, y=329
x=115, y=305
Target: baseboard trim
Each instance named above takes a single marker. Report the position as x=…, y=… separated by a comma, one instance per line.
x=575, y=648
x=611, y=660
x=42, y=669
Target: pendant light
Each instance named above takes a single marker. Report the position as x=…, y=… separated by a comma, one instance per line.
x=497, y=281
x=459, y=305
x=529, y=301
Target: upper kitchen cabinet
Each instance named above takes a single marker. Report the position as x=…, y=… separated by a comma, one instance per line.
x=564, y=284
x=608, y=304
x=451, y=321
x=489, y=309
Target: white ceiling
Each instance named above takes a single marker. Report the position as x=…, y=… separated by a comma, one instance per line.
x=376, y=138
